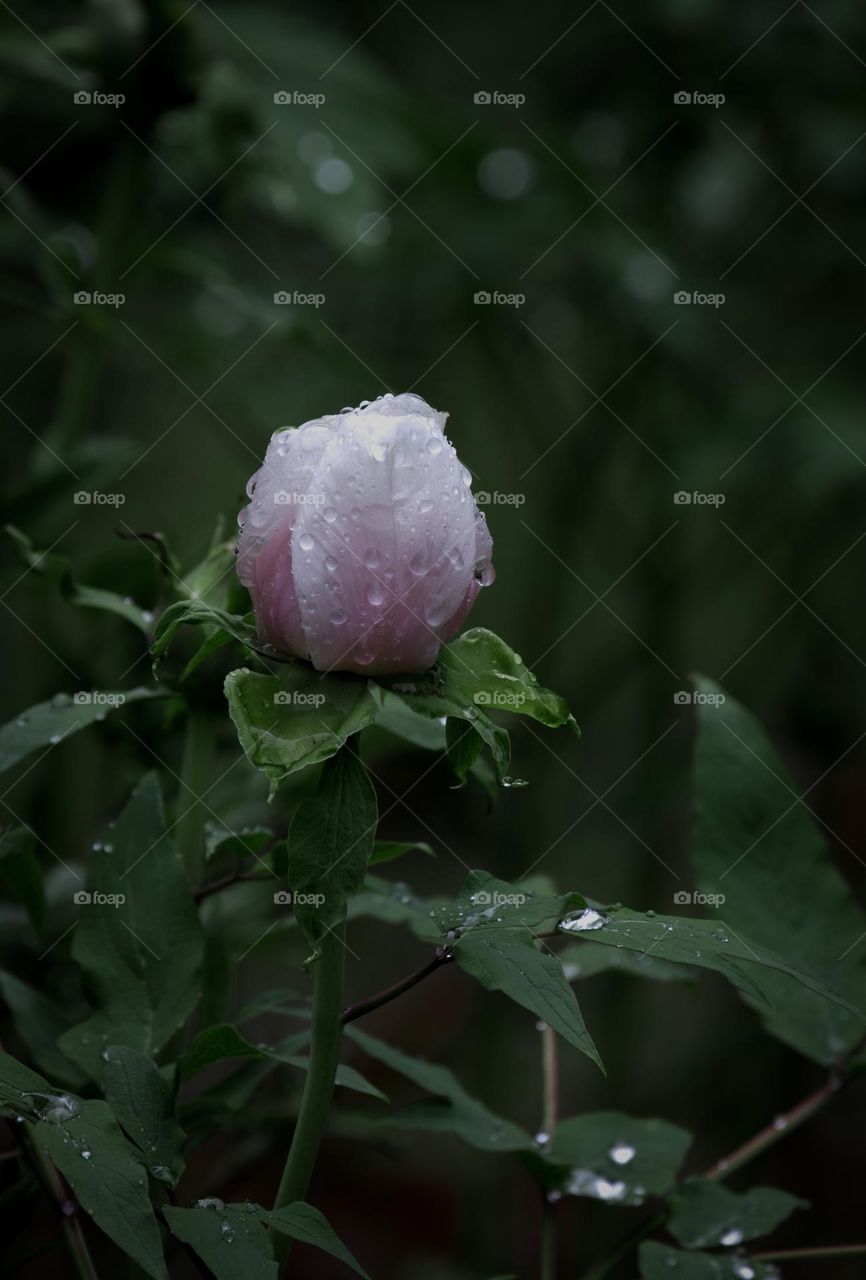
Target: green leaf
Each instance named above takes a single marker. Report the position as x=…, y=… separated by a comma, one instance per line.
x=223, y=1042
x=704, y=1214
x=217, y=640
x=508, y=960
x=57, y=569
x=212, y=578
x=305, y=1224
x=49, y=723
x=463, y=745
x=143, y=1104
x=20, y=873
x=298, y=718
x=617, y=1158
x=142, y=956
x=40, y=1023
x=199, y=613
x=757, y=844
x=660, y=1262
x=389, y=850
x=330, y=843
x=231, y=1239
x=492, y=905
x=705, y=944
x=451, y=1109
x=586, y=959
x=248, y=842
x=479, y=670
x=84, y=1143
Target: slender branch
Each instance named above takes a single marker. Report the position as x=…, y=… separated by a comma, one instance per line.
x=66, y=1205
x=549, y=1116
x=804, y=1255
x=225, y=882
x=767, y=1137
x=777, y=1129
x=441, y=957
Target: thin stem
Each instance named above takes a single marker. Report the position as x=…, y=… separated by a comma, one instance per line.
x=767, y=1137
x=549, y=1116
x=67, y=1206
x=777, y=1129
x=327, y=1028
x=236, y=877
x=194, y=772
x=806, y=1255
x=363, y=1007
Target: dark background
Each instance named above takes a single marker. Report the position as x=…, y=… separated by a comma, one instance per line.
x=591, y=405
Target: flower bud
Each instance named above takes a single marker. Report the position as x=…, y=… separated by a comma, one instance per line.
x=362, y=546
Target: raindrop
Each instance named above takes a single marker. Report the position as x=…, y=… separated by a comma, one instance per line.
x=622, y=1153
x=331, y=564
x=485, y=574
x=434, y=446
x=372, y=559
x=329, y=515
x=61, y=1108
x=210, y=1202
x=731, y=1237
x=338, y=617
x=418, y=564
x=375, y=594
x=582, y=921
x=305, y=542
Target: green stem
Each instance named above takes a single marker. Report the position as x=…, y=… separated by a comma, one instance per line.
x=67, y=1207
x=194, y=773
x=808, y=1255
x=549, y=1116
x=327, y=1027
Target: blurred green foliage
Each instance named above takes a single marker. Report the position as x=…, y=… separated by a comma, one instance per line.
x=399, y=198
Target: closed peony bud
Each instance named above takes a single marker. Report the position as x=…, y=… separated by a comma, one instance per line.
x=362, y=546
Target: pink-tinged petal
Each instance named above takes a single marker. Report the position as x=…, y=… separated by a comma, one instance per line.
x=387, y=549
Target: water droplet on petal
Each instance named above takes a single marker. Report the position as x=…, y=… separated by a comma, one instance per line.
x=305, y=542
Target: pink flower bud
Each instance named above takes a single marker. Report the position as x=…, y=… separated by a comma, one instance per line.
x=362, y=546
